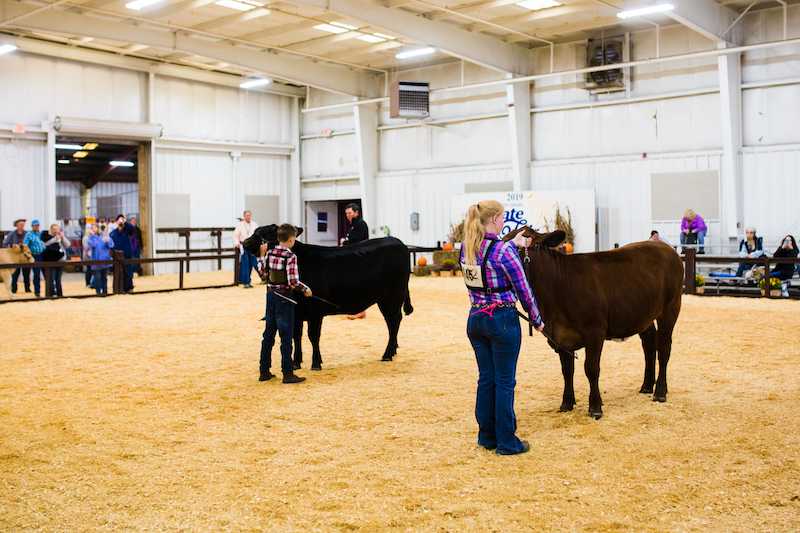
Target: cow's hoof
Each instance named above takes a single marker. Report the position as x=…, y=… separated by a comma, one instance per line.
x=565, y=407
x=387, y=358
x=316, y=367
x=646, y=390
x=660, y=398
x=597, y=415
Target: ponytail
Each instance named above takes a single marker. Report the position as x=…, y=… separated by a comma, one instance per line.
x=475, y=227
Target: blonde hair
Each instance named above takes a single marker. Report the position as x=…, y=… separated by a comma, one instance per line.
x=689, y=214
x=478, y=216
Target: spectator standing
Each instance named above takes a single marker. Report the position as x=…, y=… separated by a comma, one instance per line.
x=693, y=228
x=248, y=262
x=121, y=235
x=751, y=246
x=87, y=253
x=100, y=245
x=56, y=244
x=15, y=238
x=33, y=240
x=357, y=229
x=137, y=243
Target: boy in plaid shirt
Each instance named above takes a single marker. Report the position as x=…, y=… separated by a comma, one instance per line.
x=283, y=282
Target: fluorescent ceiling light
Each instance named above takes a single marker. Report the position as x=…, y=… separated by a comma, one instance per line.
x=120, y=163
x=7, y=48
x=252, y=83
x=371, y=38
x=90, y=146
x=535, y=5
x=648, y=10
x=69, y=147
x=415, y=53
x=239, y=5
x=136, y=5
x=335, y=27
x=80, y=155
x=63, y=161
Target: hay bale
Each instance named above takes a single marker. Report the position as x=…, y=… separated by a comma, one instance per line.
x=441, y=256
x=422, y=271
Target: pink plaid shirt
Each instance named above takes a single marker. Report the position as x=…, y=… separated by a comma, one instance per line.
x=276, y=259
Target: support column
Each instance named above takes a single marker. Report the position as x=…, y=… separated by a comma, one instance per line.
x=518, y=99
x=731, y=182
x=366, y=120
x=50, y=175
x=292, y=205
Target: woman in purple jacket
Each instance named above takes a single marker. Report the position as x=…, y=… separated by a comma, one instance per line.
x=693, y=230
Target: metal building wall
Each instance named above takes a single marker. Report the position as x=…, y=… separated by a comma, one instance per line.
x=22, y=189
x=583, y=143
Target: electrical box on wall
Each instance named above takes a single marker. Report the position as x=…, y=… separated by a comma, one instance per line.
x=414, y=221
x=409, y=99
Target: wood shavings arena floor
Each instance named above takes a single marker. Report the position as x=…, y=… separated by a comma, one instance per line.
x=144, y=412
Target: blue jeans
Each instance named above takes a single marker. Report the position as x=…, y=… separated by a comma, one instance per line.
x=100, y=281
x=26, y=277
x=279, y=319
x=54, y=288
x=247, y=264
x=38, y=273
x=496, y=340
x=701, y=240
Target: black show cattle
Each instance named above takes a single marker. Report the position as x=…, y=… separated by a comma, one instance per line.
x=586, y=299
x=346, y=281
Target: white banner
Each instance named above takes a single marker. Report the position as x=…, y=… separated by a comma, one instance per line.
x=538, y=209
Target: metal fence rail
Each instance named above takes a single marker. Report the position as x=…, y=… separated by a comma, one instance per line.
x=117, y=265
x=691, y=259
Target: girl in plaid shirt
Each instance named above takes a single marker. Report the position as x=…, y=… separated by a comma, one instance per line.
x=283, y=281
x=495, y=278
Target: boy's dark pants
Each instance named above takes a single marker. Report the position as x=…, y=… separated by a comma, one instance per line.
x=279, y=319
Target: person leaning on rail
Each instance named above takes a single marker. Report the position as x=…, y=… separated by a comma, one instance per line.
x=495, y=279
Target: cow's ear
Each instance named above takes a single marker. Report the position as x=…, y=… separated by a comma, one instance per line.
x=553, y=239
x=299, y=231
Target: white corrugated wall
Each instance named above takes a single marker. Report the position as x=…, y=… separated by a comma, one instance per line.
x=126, y=194
x=22, y=187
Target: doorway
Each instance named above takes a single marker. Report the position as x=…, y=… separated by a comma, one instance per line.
x=325, y=222
x=98, y=179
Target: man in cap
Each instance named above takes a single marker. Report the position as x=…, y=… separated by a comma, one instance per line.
x=15, y=238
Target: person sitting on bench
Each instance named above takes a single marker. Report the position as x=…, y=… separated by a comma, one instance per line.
x=751, y=246
x=787, y=248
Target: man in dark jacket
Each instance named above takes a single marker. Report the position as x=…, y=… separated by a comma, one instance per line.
x=122, y=242
x=137, y=243
x=357, y=230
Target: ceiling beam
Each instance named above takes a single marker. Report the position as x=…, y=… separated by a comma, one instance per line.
x=707, y=18
x=293, y=68
x=236, y=18
x=476, y=48
x=85, y=55
x=275, y=31
x=544, y=14
x=158, y=11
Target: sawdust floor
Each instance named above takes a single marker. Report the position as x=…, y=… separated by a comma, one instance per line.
x=144, y=412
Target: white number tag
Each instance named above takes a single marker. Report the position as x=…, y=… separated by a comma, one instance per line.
x=473, y=276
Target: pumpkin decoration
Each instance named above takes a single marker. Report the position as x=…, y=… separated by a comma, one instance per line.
x=569, y=248
x=447, y=247
x=422, y=261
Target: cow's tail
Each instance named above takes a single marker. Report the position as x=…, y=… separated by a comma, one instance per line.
x=407, y=307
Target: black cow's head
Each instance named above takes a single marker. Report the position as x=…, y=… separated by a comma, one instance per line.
x=264, y=235
x=539, y=240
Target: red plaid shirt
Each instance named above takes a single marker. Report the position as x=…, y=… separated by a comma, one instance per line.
x=276, y=259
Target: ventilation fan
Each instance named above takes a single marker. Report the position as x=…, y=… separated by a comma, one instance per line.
x=605, y=52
